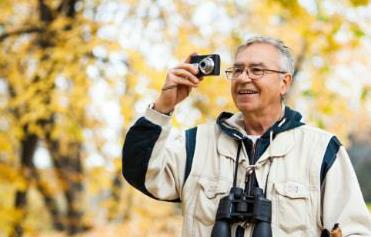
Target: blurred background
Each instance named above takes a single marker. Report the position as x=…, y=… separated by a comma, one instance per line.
x=75, y=74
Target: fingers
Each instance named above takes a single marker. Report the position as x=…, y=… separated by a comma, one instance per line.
x=187, y=71
x=181, y=80
x=183, y=74
x=188, y=67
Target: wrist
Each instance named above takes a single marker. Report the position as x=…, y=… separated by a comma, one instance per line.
x=162, y=109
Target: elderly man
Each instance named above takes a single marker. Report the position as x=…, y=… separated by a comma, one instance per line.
x=306, y=180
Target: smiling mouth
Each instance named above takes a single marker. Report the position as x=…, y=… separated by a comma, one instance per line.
x=247, y=92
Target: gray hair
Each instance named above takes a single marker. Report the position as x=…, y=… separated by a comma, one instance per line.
x=287, y=61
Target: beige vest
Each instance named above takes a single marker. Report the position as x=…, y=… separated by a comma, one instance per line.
x=293, y=182
x=300, y=207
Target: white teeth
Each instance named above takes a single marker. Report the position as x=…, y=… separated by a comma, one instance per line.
x=247, y=92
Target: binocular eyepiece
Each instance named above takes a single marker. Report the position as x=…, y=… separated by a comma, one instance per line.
x=238, y=206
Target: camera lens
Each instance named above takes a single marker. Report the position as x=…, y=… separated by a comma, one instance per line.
x=206, y=65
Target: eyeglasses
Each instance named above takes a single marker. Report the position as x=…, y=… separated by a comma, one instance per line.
x=253, y=73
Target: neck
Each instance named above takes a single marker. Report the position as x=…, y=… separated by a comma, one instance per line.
x=256, y=123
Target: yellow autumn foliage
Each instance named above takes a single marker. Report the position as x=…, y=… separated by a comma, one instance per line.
x=47, y=75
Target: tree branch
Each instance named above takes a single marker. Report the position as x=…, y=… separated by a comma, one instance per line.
x=300, y=59
x=20, y=32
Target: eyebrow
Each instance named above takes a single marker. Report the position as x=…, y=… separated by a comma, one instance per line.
x=250, y=65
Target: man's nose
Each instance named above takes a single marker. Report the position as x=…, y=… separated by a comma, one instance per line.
x=245, y=76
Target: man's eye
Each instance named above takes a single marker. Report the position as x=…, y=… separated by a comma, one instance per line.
x=256, y=71
x=237, y=70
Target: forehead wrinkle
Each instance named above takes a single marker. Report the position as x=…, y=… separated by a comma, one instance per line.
x=238, y=64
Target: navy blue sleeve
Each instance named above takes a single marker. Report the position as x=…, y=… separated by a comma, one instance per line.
x=329, y=157
x=136, y=152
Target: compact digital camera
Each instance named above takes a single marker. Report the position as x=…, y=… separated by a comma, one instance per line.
x=208, y=65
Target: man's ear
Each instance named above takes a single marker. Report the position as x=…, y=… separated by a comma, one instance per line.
x=286, y=83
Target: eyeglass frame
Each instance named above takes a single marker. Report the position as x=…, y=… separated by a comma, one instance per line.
x=248, y=71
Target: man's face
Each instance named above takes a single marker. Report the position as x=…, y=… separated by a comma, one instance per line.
x=264, y=93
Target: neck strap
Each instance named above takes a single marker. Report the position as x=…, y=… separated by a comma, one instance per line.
x=236, y=165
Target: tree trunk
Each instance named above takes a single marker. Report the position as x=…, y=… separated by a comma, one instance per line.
x=74, y=191
x=70, y=173
x=28, y=147
x=50, y=202
x=113, y=209
x=29, y=172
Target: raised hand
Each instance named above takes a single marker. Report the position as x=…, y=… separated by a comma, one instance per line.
x=178, y=84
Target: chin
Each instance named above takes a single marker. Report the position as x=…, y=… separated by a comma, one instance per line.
x=244, y=108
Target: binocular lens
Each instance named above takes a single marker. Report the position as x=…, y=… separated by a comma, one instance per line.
x=221, y=229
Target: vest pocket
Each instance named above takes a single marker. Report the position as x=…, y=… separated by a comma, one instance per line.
x=209, y=194
x=292, y=207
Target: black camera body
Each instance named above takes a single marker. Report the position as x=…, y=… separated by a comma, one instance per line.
x=208, y=65
x=238, y=206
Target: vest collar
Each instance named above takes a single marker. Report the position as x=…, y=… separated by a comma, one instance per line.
x=279, y=147
x=232, y=126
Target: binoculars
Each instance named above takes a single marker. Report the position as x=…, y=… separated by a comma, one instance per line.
x=239, y=206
